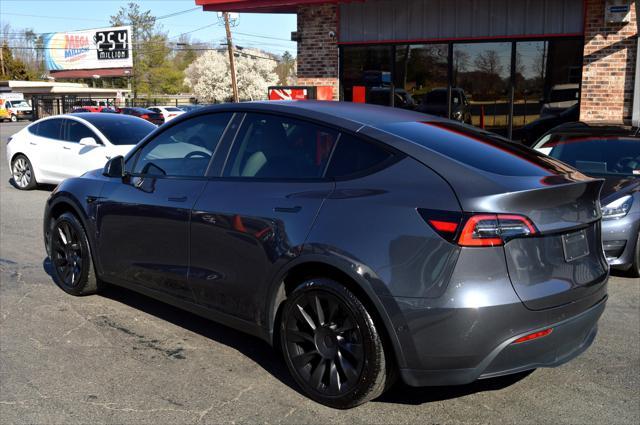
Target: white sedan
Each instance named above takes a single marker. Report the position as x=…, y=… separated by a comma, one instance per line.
x=168, y=112
x=55, y=148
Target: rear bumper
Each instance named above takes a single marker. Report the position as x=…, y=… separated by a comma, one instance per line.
x=570, y=338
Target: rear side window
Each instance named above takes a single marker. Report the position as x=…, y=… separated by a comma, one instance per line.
x=276, y=147
x=475, y=148
x=33, y=129
x=51, y=129
x=354, y=156
x=76, y=131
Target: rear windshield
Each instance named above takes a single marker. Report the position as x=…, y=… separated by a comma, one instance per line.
x=121, y=129
x=476, y=148
x=599, y=156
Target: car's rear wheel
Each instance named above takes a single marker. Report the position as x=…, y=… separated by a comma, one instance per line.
x=14, y=118
x=331, y=345
x=22, y=173
x=71, y=256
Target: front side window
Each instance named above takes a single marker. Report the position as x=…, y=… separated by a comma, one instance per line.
x=51, y=129
x=275, y=147
x=183, y=150
x=76, y=131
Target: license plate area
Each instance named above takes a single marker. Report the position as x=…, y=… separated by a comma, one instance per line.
x=575, y=245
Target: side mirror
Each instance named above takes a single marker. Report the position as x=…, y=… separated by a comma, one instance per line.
x=89, y=141
x=114, y=167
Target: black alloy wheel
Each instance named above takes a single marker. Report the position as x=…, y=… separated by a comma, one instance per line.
x=67, y=254
x=71, y=257
x=331, y=345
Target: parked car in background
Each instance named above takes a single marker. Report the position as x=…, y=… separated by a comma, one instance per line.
x=530, y=133
x=93, y=105
x=55, y=148
x=81, y=111
x=13, y=107
x=561, y=97
x=613, y=154
x=168, y=112
x=435, y=103
x=110, y=111
x=381, y=96
x=146, y=114
x=189, y=108
x=366, y=242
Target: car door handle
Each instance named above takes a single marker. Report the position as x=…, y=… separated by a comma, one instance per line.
x=33, y=144
x=177, y=198
x=295, y=209
x=66, y=147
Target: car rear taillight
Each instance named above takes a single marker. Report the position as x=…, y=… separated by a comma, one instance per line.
x=478, y=229
x=494, y=229
x=144, y=116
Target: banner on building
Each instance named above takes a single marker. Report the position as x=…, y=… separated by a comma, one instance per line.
x=89, y=49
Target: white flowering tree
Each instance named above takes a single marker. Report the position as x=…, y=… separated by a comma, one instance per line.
x=209, y=76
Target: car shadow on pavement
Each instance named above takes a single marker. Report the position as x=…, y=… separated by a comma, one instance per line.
x=254, y=348
x=401, y=393
x=271, y=360
x=41, y=186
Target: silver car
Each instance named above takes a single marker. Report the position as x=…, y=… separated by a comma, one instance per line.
x=613, y=154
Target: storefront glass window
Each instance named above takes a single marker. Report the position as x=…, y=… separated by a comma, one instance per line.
x=547, y=80
x=368, y=67
x=481, y=77
x=420, y=77
x=476, y=77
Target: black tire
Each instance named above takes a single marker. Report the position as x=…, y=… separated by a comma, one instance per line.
x=634, y=270
x=71, y=258
x=22, y=173
x=340, y=363
x=14, y=118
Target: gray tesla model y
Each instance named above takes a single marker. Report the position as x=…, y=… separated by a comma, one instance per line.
x=364, y=242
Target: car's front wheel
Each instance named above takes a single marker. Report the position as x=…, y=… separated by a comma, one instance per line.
x=70, y=256
x=22, y=173
x=634, y=270
x=331, y=345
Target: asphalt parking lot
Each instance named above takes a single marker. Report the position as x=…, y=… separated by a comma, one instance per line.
x=122, y=358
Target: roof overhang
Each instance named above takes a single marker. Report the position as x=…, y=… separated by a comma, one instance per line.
x=259, y=6
x=90, y=73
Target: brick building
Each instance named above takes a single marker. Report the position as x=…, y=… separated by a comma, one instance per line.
x=499, y=64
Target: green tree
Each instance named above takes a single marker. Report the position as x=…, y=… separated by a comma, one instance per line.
x=14, y=68
x=286, y=69
x=144, y=29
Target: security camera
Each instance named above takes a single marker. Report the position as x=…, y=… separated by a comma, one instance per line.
x=332, y=34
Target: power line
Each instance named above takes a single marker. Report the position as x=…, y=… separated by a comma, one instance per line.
x=170, y=15
x=263, y=36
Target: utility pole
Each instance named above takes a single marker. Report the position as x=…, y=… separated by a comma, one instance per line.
x=2, y=59
x=232, y=64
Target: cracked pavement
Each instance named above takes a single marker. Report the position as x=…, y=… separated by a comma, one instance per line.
x=122, y=358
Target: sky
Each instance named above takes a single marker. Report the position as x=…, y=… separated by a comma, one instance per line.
x=269, y=32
